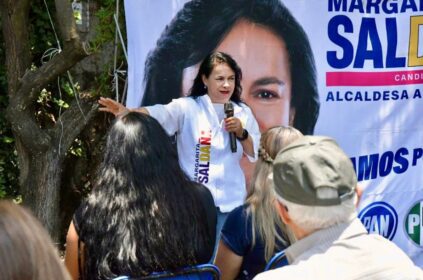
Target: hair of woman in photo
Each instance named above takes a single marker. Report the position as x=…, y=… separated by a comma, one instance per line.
x=261, y=195
x=207, y=66
x=26, y=249
x=143, y=215
x=183, y=44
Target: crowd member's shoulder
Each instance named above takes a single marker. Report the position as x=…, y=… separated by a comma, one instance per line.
x=289, y=272
x=240, y=211
x=238, y=223
x=78, y=215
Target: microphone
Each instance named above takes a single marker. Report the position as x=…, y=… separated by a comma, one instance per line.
x=229, y=111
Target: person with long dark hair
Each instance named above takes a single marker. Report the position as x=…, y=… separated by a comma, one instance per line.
x=144, y=215
x=203, y=130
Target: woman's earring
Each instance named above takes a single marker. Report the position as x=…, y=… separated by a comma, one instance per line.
x=205, y=87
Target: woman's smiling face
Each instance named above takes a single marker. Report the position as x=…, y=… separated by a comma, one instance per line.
x=220, y=83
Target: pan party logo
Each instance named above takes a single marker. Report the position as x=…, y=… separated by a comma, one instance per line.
x=380, y=218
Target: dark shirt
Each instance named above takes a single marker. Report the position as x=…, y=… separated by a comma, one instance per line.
x=237, y=235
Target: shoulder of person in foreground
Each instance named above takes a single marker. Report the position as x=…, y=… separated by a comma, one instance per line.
x=289, y=272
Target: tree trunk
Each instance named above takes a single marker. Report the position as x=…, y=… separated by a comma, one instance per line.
x=41, y=152
x=41, y=188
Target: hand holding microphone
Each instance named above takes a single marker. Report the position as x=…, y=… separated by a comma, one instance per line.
x=233, y=126
x=229, y=111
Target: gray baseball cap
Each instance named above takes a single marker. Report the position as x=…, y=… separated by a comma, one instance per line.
x=309, y=163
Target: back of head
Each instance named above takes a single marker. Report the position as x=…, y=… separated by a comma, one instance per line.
x=136, y=144
x=183, y=44
x=134, y=221
x=271, y=142
x=316, y=180
x=260, y=197
x=26, y=250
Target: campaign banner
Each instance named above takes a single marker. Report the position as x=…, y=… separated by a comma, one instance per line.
x=362, y=60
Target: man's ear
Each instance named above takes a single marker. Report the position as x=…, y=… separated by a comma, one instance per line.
x=283, y=212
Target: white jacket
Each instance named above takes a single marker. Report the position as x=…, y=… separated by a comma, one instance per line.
x=204, y=147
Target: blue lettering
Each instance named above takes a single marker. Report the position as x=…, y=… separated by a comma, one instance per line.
x=385, y=95
x=356, y=4
x=377, y=224
x=337, y=5
x=337, y=39
x=362, y=6
x=390, y=7
x=330, y=97
x=406, y=5
x=203, y=180
x=367, y=167
x=375, y=5
x=366, y=97
x=417, y=93
x=402, y=161
x=204, y=172
x=417, y=153
x=404, y=94
x=385, y=163
x=392, y=35
x=395, y=95
x=368, y=30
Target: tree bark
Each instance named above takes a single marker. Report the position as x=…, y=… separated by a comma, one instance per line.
x=41, y=152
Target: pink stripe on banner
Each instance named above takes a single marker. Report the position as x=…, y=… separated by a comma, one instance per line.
x=374, y=78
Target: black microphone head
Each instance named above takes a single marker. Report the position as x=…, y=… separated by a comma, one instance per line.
x=229, y=109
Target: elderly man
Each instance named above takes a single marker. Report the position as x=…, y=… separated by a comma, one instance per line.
x=315, y=185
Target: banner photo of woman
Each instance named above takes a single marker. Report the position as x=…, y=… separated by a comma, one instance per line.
x=351, y=70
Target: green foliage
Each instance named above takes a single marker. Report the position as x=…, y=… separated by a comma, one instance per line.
x=77, y=149
x=8, y=160
x=105, y=30
x=41, y=33
x=105, y=34
x=56, y=97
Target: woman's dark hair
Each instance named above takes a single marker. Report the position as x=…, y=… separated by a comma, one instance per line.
x=142, y=216
x=207, y=66
x=202, y=24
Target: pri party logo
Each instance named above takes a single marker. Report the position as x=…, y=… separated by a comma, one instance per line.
x=380, y=218
x=413, y=223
